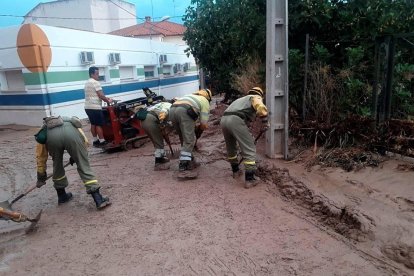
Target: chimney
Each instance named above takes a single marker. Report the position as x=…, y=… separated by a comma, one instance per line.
x=147, y=18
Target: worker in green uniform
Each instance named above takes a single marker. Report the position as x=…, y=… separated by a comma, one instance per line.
x=57, y=135
x=234, y=124
x=154, y=124
x=185, y=114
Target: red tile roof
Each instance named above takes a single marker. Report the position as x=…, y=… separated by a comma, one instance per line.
x=147, y=28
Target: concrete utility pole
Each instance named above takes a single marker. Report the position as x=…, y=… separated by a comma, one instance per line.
x=277, y=85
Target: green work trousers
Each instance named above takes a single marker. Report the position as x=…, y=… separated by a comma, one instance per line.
x=67, y=137
x=235, y=132
x=184, y=125
x=151, y=125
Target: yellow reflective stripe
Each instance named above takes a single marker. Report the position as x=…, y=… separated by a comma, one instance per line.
x=90, y=182
x=232, y=157
x=249, y=162
x=57, y=179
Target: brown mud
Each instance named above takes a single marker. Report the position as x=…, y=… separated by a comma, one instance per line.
x=300, y=220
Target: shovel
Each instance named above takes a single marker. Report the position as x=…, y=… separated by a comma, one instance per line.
x=7, y=205
x=19, y=217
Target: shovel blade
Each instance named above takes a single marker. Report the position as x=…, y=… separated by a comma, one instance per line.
x=5, y=205
x=33, y=223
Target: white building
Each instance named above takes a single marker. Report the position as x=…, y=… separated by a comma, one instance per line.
x=102, y=16
x=164, y=31
x=43, y=70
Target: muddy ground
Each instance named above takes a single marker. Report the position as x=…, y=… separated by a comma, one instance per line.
x=299, y=220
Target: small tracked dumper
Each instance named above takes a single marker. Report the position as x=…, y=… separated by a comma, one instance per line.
x=122, y=128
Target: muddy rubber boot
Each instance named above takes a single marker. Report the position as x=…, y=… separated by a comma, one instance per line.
x=63, y=197
x=161, y=163
x=236, y=170
x=184, y=165
x=250, y=179
x=100, y=201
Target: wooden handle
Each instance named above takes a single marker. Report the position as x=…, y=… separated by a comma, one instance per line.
x=22, y=195
x=32, y=188
x=10, y=214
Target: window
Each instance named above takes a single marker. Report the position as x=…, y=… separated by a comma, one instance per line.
x=149, y=72
x=166, y=70
x=12, y=81
x=103, y=74
x=127, y=73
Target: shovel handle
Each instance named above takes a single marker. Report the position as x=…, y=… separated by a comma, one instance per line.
x=10, y=214
x=167, y=139
x=24, y=194
x=32, y=188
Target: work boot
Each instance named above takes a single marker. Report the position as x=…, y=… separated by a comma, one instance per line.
x=63, y=197
x=184, y=165
x=250, y=179
x=161, y=163
x=103, y=144
x=236, y=170
x=100, y=201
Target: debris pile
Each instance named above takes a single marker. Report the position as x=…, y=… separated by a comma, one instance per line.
x=355, y=142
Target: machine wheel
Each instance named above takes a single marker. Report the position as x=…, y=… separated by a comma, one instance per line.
x=139, y=143
x=127, y=145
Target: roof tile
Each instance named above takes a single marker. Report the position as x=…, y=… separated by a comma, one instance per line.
x=165, y=28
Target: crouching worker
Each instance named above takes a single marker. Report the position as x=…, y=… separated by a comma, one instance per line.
x=235, y=130
x=184, y=114
x=57, y=135
x=154, y=119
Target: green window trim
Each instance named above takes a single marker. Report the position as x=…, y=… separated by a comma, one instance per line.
x=38, y=78
x=114, y=73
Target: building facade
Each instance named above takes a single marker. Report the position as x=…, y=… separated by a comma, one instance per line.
x=43, y=70
x=101, y=16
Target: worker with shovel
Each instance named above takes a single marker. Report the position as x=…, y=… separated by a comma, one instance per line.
x=57, y=135
x=184, y=114
x=234, y=124
x=154, y=121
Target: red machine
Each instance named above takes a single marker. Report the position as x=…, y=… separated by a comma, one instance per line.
x=122, y=128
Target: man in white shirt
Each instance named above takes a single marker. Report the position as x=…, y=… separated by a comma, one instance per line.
x=93, y=106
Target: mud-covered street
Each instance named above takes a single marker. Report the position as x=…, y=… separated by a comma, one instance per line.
x=297, y=221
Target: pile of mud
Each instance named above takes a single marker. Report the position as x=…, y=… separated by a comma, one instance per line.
x=343, y=219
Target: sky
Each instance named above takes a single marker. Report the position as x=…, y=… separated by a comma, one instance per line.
x=12, y=12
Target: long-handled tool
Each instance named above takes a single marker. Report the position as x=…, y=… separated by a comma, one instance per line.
x=173, y=154
x=19, y=217
x=8, y=205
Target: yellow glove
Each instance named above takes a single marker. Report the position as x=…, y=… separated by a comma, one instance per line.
x=84, y=137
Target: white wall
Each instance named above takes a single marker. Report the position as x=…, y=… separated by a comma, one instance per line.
x=87, y=9
x=175, y=39
x=66, y=46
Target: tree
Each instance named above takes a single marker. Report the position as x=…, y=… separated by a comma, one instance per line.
x=223, y=34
